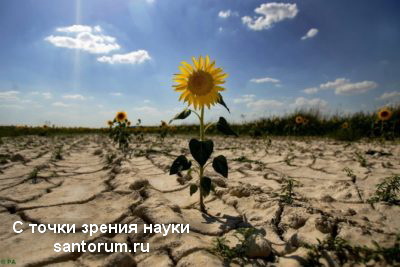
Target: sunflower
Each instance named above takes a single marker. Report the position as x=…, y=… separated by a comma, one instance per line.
x=385, y=114
x=345, y=125
x=121, y=116
x=199, y=84
x=163, y=124
x=110, y=123
x=128, y=123
x=299, y=120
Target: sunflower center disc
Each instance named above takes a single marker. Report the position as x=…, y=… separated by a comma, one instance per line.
x=200, y=83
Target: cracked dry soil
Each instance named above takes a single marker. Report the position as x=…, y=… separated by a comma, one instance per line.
x=89, y=186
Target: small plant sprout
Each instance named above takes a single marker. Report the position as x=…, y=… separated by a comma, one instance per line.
x=119, y=132
x=361, y=159
x=199, y=85
x=387, y=191
x=349, y=172
x=287, y=190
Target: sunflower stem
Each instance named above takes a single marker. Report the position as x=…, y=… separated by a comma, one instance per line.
x=202, y=207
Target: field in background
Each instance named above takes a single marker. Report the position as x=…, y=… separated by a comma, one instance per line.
x=314, y=123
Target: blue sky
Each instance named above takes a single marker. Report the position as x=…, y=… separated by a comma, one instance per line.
x=75, y=62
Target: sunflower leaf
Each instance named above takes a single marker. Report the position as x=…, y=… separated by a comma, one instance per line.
x=222, y=102
x=182, y=115
x=224, y=127
x=201, y=150
x=205, y=186
x=220, y=165
x=193, y=189
x=181, y=163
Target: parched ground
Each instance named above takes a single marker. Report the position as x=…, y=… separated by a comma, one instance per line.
x=93, y=183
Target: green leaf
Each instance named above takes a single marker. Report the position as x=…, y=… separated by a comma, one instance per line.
x=205, y=185
x=201, y=150
x=182, y=115
x=181, y=163
x=224, y=127
x=221, y=102
x=193, y=189
x=220, y=165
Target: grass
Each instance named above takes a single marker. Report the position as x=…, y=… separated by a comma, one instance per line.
x=346, y=253
x=222, y=247
x=359, y=125
x=387, y=191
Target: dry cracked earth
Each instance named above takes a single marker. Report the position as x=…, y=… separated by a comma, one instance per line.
x=92, y=183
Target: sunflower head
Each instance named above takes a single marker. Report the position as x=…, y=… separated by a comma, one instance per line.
x=385, y=114
x=299, y=120
x=200, y=83
x=128, y=123
x=110, y=123
x=345, y=125
x=121, y=116
x=163, y=124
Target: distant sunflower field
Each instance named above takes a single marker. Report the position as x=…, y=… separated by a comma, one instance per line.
x=384, y=123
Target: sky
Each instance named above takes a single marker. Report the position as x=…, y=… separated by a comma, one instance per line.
x=78, y=62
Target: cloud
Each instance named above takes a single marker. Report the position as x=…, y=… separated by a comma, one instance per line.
x=60, y=104
x=265, y=80
x=343, y=86
x=116, y=94
x=244, y=99
x=302, y=102
x=310, y=34
x=334, y=84
x=264, y=104
x=9, y=95
x=311, y=90
x=83, y=37
x=47, y=95
x=227, y=13
x=135, y=57
x=75, y=97
x=270, y=13
x=390, y=95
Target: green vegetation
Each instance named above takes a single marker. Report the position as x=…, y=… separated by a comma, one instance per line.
x=243, y=235
x=387, y=191
x=346, y=253
x=287, y=191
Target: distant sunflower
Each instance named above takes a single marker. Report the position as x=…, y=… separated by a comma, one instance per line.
x=299, y=120
x=199, y=83
x=385, y=114
x=121, y=116
x=128, y=123
x=345, y=125
x=163, y=124
x=110, y=123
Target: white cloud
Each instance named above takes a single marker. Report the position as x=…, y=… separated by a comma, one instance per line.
x=270, y=13
x=83, y=37
x=311, y=90
x=149, y=111
x=265, y=80
x=264, y=104
x=9, y=95
x=76, y=28
x=227, y=13
x=314, y=103
x=146, y=101
x=75, y=97
x=355, y=88
x=343, y=86
x=244, y=99
x=60, y=104
x=116, y=94
x=135, y=57
x=310, y=34
x=47, y=95
x=390, y=95
x=334, y=84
